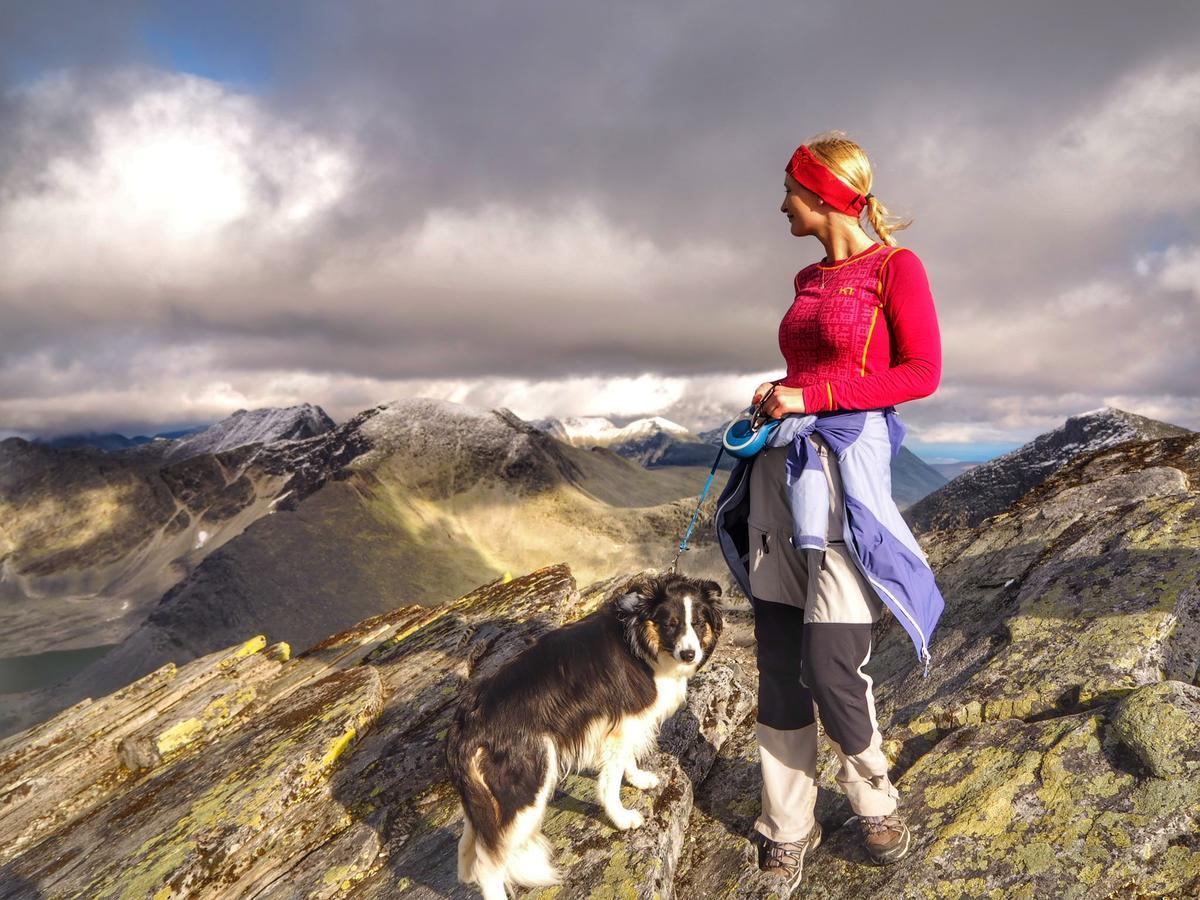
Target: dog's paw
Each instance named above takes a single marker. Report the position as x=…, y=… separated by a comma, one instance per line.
x=642, y=780
x=624, y=819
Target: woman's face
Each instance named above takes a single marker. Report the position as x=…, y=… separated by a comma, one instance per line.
x=801, y=207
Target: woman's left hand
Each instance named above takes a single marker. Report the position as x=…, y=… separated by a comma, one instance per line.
x=783, y=400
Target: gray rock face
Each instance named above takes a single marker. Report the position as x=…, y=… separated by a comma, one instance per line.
x=993, y=486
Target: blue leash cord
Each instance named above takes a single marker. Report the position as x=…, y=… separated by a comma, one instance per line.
x=683, y=544
x=755, y=423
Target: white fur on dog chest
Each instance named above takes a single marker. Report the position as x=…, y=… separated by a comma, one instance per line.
x=672, y=692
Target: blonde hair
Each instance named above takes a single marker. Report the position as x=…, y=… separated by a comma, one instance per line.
x=850, y=163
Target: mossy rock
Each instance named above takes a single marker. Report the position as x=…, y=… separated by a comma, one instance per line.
x=1160, y=724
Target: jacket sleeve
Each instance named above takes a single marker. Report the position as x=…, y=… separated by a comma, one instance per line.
x=916, y=342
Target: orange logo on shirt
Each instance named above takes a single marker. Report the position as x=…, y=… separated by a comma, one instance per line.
x=846, y=290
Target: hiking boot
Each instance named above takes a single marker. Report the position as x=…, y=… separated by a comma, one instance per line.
x=783, y=862
x=885, y=837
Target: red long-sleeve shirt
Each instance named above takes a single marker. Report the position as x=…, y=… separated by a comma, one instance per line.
x=866, y=339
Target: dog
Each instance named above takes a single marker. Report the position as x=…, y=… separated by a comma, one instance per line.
x=588, y=696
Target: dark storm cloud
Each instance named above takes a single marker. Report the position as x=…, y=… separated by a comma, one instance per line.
x=488, y=191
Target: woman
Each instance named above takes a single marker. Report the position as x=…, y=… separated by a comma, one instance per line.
x=860, y=337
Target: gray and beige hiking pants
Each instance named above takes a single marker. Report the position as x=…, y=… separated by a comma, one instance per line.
x=813, y=612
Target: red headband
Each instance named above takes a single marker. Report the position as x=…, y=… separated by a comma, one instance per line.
x=811, y=173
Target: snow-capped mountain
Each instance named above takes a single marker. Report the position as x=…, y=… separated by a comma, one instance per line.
x=993, y=486
x=652, y=442
x=597, y=431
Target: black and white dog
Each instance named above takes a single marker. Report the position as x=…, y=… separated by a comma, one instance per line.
x=590, y=695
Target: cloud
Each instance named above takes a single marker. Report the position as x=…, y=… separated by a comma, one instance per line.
x=574, y=211
x=179, y=185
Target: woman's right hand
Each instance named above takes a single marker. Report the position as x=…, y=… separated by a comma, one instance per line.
x=761, y=391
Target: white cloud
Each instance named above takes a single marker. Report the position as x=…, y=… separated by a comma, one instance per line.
x=182, y=184
x=191, y=199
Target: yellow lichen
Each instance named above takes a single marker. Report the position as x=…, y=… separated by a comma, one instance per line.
x=178, y=735
x=338, y=746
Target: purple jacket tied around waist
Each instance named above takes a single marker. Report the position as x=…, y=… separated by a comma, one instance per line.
x=876, y=535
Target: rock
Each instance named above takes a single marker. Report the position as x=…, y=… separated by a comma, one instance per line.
x=717, y=701
x=606, y=863
x=1050, y=611
x=201, y=822
x=1160, y=723
x=69, y=765
x=1026, y=809
x=991, y=487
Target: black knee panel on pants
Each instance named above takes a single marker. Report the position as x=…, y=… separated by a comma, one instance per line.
x=831, y=653
x=783, y=701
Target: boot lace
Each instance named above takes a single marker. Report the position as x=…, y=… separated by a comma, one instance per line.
x=787, y=856
x=876, y=824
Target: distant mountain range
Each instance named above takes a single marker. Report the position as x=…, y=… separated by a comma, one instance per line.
x=651, y=442
x=167, y=554
x=952, y=470
x=90, y=539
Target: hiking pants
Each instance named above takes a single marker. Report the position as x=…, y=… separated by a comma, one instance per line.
x=813, y=612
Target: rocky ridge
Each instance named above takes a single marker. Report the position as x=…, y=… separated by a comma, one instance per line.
x=990, y=487
x=1051, y=752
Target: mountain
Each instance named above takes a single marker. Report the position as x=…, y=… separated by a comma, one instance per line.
x=991, y=487
x=1053, y=751
x=596, y=431
x=412, y=501
x=110, y=441
x=913, y=478
x=258, y=426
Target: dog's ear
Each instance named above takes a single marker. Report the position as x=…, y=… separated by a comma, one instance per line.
x=638, y=592
x=631, y=604
x=711, y=590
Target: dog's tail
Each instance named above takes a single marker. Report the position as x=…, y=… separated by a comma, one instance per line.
x=464, y=754
x=496, y=849
x=479, y=804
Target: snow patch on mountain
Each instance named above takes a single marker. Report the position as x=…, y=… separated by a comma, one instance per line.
x=257, y=426
x=597, y=431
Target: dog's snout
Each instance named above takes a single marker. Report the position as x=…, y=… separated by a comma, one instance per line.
x=687, y=655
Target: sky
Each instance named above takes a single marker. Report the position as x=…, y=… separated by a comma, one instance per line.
x=572, y=209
